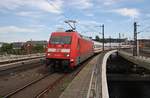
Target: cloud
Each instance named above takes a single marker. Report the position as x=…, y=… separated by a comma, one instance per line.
x=130, y=12
x=109, y=20
x=29, y=14
x=111, y=2
x=148, y=15
x=81, y=4
x=88, y=25
x=15, y=29
x=11, y=4
x=88, y=22
x=54, y=6
x=90, y=14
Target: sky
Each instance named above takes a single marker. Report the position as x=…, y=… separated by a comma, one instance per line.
x=22, y=20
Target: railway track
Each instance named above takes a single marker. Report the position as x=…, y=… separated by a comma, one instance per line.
x=17, y=69
x=4, y=70
x=29, y=87
x=18, y=60
x=25, y=86
x=13, y=79
x=51, y=86
x=38, y=88
x=21, y=92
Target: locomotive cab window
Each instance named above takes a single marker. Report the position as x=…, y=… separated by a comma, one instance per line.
x=60, y=40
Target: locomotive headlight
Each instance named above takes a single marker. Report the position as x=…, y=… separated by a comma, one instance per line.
x=67, y=55
x=71, y=60
x=48, y=54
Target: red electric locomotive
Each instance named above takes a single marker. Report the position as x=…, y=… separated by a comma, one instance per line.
x=65, y=50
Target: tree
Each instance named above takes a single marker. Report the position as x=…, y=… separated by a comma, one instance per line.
x=97, y=38
x=38, y=48
x=7, y=48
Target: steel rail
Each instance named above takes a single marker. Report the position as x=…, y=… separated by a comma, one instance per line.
x=25, y=86
x=50, y=87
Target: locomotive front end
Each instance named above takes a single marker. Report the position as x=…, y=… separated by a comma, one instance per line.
x=59, y=50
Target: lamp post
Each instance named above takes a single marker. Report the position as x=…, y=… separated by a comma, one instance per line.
x=119, y=41
x=110, y=42
x=135, y=46
x=103, y=39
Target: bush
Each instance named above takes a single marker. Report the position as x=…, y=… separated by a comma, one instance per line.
x=38, y=48
x=7, y=48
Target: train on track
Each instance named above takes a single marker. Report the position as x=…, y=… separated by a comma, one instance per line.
x=66, y=50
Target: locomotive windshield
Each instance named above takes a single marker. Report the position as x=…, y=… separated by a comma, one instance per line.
x=60, y=40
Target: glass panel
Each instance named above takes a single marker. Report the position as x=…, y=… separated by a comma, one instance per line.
x=60, y=40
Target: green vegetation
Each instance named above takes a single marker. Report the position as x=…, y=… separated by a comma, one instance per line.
x=97, y=38
x=38, y=49
x=8, y=49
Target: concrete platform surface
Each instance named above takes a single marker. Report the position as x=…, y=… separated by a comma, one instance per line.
x=78, y=88
x=139, y=60
x=10, y=58
x=21, y=63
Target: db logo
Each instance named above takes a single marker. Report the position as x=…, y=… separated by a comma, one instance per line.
x=58, y=50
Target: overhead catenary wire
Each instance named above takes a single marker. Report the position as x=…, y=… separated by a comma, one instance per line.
x=73, y=27
x=53, y=5
x=143, y=30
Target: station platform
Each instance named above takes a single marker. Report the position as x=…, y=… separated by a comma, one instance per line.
x=143, y=52
x=139, y=60
x=79, y=87
x=20, y=61
x=91, y=82
x=15, y=58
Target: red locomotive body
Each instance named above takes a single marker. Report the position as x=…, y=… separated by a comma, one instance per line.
x=67, y=50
